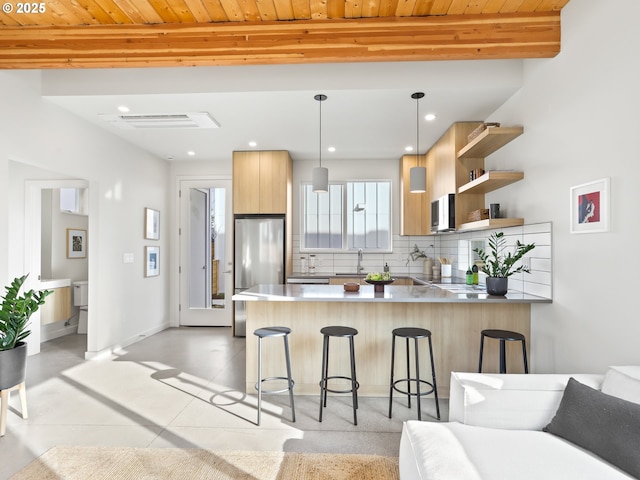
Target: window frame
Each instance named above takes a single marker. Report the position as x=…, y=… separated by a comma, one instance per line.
x=345, y=217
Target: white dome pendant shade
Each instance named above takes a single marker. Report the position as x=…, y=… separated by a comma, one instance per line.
x=320, y=175
x=417, y=175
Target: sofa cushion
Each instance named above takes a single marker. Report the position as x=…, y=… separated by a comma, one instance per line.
x=453, y=451
x=605, y=425
x=623, y=382
x=513, y=401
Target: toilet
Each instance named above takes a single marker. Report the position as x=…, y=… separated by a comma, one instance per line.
x=81, y=299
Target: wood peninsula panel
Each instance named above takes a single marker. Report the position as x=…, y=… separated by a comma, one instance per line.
x=455, y=329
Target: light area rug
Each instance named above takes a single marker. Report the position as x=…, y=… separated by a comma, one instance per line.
x=112, y=463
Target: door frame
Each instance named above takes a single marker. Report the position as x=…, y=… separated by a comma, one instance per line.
x=174, y=297
x=32, y=247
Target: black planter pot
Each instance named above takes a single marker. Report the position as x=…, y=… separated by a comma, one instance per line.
x=13, y=366
x=497, y=285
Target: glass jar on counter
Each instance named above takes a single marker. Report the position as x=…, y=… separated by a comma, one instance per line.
x=304, y=268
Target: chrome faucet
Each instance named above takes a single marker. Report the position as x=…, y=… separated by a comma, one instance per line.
x=360, y=267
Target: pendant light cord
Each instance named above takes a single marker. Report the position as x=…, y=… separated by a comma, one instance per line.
x=417, y=126
x=320, y=144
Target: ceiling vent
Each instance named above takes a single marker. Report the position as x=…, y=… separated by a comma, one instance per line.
x=160, y=120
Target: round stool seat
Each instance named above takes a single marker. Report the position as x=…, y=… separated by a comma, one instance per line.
x=411, y=332
x=272, y=332
x=339, y=331
x=503, y=335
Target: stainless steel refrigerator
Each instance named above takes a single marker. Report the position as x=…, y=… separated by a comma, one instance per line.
x=259, y=258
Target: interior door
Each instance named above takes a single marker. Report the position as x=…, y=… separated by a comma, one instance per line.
x=205, y=253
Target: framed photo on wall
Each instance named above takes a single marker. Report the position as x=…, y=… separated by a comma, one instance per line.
x=590, y=207
x=152, y=261
x=76, y=243
x=151, y=224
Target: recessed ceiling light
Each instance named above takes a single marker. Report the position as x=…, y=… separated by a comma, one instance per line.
x=123, y=109
x=408, y=149
x=253, y=144
x=430, y=117
x=191, y=153
x=331, y=149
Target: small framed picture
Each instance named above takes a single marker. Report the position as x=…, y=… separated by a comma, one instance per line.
x=152, y=261
x=151, y=224
x=590, y=207
x=76, y=243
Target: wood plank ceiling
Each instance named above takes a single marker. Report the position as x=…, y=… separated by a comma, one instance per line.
x=154, y=33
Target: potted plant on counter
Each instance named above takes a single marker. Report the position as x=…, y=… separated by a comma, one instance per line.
x=499, y=267
x=417, y=254
x=15, y=313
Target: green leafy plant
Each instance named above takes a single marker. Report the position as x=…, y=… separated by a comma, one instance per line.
x=16, y=311
x=497, y=264
x=416, y=254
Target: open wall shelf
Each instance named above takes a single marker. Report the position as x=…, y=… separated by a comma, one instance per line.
x=491, y=181
x=490, y=140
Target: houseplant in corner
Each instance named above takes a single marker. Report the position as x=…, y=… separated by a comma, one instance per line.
x=499, y=266
x=15, y=313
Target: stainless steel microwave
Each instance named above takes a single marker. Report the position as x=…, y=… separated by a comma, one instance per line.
x=443, y=214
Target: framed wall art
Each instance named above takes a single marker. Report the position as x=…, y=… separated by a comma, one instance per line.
x=590, y=207
x=76, y=243
x=152, y=261
x=151, y=224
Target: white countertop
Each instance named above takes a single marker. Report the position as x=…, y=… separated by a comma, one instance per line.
x=392, y=293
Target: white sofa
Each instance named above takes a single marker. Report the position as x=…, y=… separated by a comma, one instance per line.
x=496, y=421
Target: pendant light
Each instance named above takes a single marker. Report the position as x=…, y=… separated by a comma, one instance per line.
x=417, y=175
x=320, y=175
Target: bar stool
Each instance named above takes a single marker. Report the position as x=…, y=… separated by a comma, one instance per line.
x=344, y=332
x=503, y=336
x=415, y=334
x=268, y=332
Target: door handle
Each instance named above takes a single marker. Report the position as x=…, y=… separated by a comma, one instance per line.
x=227, y=271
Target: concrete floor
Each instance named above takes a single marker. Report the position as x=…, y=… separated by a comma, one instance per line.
x=183, y=388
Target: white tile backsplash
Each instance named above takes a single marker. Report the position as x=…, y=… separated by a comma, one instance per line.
x=451, y=245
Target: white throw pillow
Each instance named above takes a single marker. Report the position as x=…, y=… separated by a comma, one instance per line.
x=623, y=382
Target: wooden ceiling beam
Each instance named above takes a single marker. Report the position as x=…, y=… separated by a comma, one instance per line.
x=451, y=37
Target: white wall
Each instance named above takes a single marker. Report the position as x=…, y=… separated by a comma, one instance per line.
x=579, y=112
x=122, y=181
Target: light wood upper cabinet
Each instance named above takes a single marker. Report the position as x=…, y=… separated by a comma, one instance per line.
x=262, y=182
x=414, y=207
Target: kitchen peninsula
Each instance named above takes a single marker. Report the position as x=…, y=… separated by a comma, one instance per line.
x=454, y=319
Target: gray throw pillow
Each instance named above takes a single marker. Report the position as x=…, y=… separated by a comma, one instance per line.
x=605, y=425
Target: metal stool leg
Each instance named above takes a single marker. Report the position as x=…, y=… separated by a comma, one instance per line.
x=289, y=378
x=259, y=378
x=524, y=356
x=417, y=377
x=323, y=377
x=354, y=390
x=409, y=374
x=433, y=377
x=481, y=349
x=393, y=356
x=503, y=357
